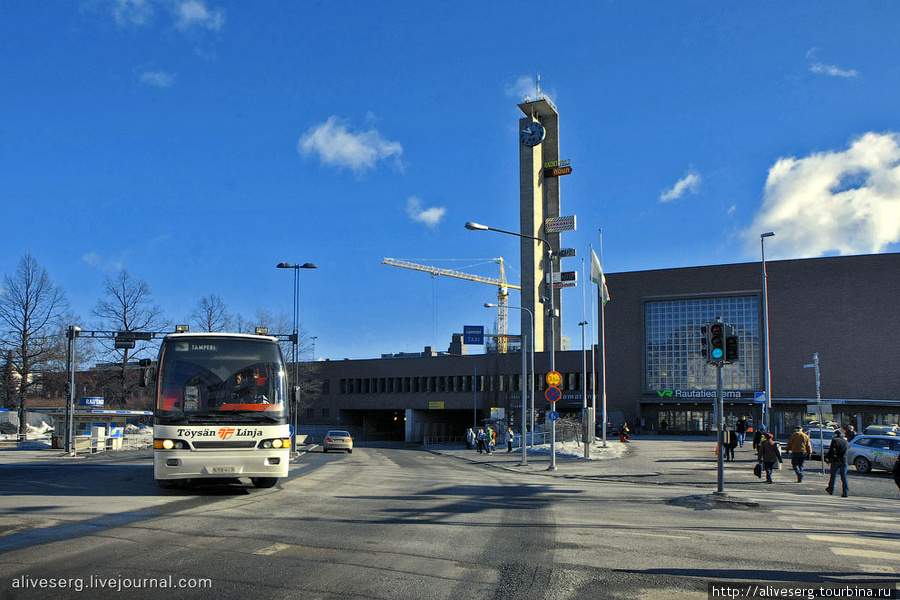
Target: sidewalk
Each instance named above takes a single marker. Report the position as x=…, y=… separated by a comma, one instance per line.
x=667, y=460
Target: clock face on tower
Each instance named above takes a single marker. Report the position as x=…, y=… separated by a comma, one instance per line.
x=532, y=134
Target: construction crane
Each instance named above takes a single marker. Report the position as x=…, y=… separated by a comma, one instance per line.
x=502, y=290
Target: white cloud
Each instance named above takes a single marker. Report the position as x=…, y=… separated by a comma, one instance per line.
x=830, y=70
x=187, y=14
x=132, y=12
x=525, y=87
x=838, y=202
x=93, y=259
x=429, y=216
x=194, y=13
x=157, y=78
x=688, y=183
x=339, y=147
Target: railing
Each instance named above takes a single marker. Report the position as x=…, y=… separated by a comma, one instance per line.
x=443, y=440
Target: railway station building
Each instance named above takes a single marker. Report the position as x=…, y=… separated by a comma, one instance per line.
x=842, y=308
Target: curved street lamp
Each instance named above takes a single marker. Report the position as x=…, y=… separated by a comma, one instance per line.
x=524, y=382
x=295, y=337
x=768, y=405
x=473, y=226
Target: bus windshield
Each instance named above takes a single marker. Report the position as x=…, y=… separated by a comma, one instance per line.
x=215, y=376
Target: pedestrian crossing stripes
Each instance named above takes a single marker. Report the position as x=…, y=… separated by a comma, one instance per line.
x=868, y=545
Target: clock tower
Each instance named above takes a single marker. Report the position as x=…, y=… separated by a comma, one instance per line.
x=538, y=201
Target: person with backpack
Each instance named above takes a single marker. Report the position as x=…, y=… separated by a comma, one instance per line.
x=837, y=457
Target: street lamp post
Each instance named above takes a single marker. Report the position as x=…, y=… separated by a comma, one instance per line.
x=472, y=226
x=768, y=405
x=295, y=338
x=525, y=381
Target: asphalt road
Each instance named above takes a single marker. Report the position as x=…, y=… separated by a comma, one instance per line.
x=402, y=523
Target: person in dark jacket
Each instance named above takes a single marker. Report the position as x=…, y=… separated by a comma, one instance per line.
x=759, y=436
x=897, y=472
x=741, y=429
x=769, y=454
x=837, y=456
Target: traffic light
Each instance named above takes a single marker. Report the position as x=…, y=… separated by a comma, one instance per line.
x=704, y=341
x=716, y=344
x=732, y=346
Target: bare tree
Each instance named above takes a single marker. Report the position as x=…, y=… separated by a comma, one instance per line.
x=31, y=306
x=211, y=314
x=127, y=306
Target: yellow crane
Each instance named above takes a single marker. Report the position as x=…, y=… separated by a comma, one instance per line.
x=502, y=289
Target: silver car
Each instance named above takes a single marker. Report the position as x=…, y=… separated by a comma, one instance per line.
x=816, y=443
x=867, y=452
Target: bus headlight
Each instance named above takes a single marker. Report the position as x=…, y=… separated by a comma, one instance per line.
x=169, y=444
x=278, y=443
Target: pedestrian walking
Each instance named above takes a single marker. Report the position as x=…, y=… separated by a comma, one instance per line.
x=490, y=440
x=729, y=442
x=509, y=439
x=741, y=430
x=470, y=439
x=768, y=454
x=623, y=432
x=849, y=432
x=759, y=436
x=837, y=457
x=800, y=449
x=480, y=440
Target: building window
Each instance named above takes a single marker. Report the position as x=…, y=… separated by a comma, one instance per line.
x=326, y=413
x=672, y=343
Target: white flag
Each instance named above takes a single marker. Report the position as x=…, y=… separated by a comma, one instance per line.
x=599, y=278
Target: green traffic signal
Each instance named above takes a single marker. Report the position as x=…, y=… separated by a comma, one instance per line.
x=716, y=341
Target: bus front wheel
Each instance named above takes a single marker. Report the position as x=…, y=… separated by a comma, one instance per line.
x=264, y=482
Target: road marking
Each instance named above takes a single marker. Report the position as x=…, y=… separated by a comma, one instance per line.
x=877, y=568
x=839, y=539
x=892, y=556
x=272, y=549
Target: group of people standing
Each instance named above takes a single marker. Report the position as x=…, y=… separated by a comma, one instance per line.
x=485, y=440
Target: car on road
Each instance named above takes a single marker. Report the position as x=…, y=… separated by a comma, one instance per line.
x=882, y=430
x=867, y=452
x=337, y=439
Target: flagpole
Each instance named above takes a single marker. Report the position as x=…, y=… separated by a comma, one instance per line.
x=584, y=323
x=603, y=338
x=593, y=377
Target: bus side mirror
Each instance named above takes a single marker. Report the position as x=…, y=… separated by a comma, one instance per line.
x=147, y=372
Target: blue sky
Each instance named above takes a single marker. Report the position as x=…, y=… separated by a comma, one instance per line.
x=198, y=143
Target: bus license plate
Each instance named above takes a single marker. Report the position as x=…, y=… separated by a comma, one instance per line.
x=218, y=470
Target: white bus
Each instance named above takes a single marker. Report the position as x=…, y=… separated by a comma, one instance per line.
x=221, y=410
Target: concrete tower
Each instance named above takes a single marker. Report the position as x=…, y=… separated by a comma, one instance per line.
x=538, y=201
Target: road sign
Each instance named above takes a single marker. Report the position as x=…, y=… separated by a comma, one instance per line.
x=565, y=253
x=759, y=398
x=558, y=224
x=473, y=334
x=552, y=394
x=815, y=408
x=554, y=379
x=552, y=415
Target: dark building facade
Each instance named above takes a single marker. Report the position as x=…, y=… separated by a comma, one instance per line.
x=843, y=308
